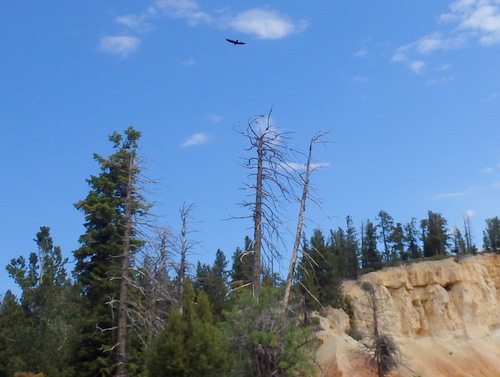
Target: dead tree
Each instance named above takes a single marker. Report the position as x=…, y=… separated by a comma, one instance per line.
x=305, y=180
x=185, y=246
x=271, y=185
x=135, y=213
x=470, y=248
x=379, y=350
x=148, y=314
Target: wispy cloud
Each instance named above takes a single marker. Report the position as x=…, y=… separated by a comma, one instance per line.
x=214, y=118
x=470, y=190
x=186, y=9
x=361, y=52
x=302, y=167
x=440, y=80
x=134, y=22
x=490, y=169
x=189, y=62
x=360, y=79
x=470, y=213
x=196, y=139
x=470, y=20
x=263, y=23
x=119, y=45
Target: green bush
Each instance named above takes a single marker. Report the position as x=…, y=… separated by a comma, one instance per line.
x=268, y=342
x=190, y=345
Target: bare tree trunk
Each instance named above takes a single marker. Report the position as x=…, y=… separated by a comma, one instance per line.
x=272, y=184
x=383, y=353
x=468, y=235
x=300, y=223
x=121, y=353
x=186, y=245
x=257, y=217
x=182, y=267
x=295, y=252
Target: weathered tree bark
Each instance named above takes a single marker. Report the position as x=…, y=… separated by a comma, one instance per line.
x=257, y=217
x=186, y=245
x=295, y=252
x=300, y=223
x=121, y=353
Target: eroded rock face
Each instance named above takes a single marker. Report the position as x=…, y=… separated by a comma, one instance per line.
x=429, y=305
x=437, y=298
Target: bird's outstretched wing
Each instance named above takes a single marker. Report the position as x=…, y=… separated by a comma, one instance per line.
x=235, y=42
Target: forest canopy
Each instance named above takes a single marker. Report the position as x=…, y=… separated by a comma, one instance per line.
x=134, y=304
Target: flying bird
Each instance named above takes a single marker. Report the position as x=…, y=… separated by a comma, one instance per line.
x=235, y=42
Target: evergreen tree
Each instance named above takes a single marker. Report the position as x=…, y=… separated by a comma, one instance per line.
x=16, y=335
x=47, y=303
x=411, y=239
x=385, y=224
x=351, y=251
x=338, y=246
x=319, y=281
x=434, y=234
x=370, y=258
x=458, y=246
x=214, y=282
x=241, y=273
x=190, y=345
x=103, y=260
x=491, y=235
x=397, y=242
x=267, y=342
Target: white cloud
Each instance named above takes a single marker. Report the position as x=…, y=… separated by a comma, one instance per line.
x=470, y=213
x=417, y=66
x=471, y=20
x=265, y=24
x=119, y=45
x=133, y=21
x=196, y=139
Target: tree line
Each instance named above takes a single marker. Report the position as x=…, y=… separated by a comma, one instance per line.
x=131, y=307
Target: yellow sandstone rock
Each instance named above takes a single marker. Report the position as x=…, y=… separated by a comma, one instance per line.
x=443, y=314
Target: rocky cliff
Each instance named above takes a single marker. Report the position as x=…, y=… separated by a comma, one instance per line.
x=443, y=314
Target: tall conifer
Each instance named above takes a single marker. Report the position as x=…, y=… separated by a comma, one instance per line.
x=103, y=259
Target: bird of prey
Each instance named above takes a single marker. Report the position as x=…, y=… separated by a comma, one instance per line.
x=235, y=42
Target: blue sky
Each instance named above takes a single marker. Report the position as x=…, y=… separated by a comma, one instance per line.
x=410, y=90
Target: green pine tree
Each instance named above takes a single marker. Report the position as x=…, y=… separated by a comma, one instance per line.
x=434, y=234
x=16, y=334
x=319, y=278
x=411, y=240
x=190, y=345
x=491, y=235
x=351, y=250
x=241, y=272
x=214, y=282
x=370, y=257
x=103, y=259
x=48, y=306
